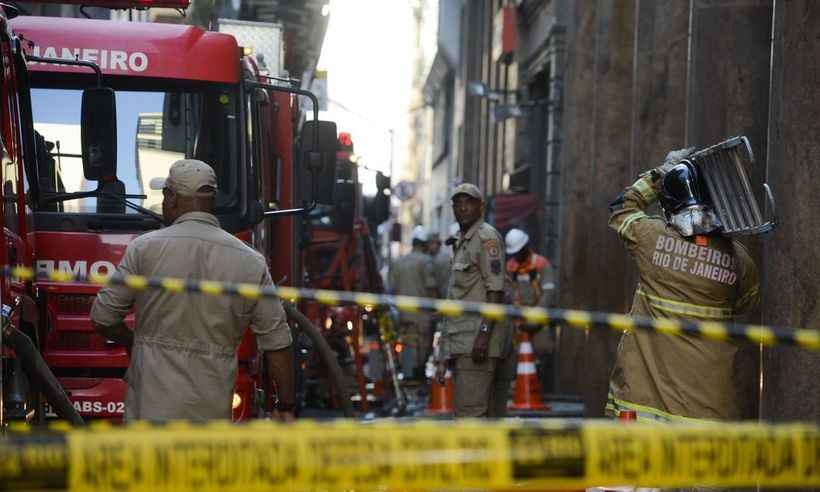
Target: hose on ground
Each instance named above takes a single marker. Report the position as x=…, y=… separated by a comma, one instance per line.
x=327, y=355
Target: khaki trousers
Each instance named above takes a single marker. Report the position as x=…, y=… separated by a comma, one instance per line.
x=480, y=390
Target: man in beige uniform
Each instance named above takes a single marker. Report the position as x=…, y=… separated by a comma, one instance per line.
x=183, y=347
x=412, y=275
x=476, y=349
x=441, y=264
x=687, y=271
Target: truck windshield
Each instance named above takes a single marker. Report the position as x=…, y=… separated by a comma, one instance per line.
x=154, y=129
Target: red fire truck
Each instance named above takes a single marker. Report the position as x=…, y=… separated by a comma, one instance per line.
x=341, y=255
x=107, y=106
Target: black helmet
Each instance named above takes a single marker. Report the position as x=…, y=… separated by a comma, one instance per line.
x=682, y=187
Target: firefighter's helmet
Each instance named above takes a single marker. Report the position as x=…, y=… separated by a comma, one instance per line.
x=685, y=201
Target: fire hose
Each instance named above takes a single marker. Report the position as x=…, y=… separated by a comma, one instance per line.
x=327, y=355
x=34, y=365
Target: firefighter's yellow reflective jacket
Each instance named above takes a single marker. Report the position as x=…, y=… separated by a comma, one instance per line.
x=709, y=278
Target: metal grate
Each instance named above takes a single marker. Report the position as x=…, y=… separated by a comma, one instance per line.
x=723, y=167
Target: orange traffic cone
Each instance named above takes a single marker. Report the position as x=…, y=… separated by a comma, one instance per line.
x=441, y=396
x=527, y=389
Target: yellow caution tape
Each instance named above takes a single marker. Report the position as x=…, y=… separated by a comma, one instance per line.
x=418, y=456
x=584, y=320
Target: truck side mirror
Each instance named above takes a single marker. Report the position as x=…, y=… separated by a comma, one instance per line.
x=319, y=158
x=98, y=133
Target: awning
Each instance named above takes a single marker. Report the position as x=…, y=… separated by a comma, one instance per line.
x=507, y=211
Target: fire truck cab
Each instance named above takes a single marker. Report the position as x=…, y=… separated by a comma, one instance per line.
x=177, y=92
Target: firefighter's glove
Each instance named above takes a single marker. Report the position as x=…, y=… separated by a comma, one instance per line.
x=672, y=159
x=481, y=345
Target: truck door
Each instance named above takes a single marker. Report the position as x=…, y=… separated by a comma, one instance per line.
x=13, y=202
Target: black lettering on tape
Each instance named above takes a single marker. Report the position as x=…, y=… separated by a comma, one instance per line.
x=33, y=461
x=474, y=461
x=544, y=453
x=428, y=452
x=624, y=457
x=350, y=458
x=810, y=445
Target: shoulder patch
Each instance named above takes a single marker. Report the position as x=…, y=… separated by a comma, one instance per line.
x=492, y=248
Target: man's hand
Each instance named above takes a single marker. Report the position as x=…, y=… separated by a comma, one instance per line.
x=279, y=365
x=118, y=333
x=481, y=345
x=672, y=159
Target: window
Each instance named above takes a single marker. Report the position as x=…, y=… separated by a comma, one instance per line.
x=154, y=129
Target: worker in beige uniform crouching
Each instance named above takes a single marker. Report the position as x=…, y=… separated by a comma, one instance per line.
x=183, y=347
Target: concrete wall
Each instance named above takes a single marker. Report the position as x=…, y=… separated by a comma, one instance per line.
x=597, y=166
x=791, y=291
x=728, y=76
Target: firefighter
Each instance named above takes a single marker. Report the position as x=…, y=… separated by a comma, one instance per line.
x=476, y=349
x=183, y=348
x=687, y=270
x=412, y=275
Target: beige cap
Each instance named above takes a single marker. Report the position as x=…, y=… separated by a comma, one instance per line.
x=187, y=177
x=467, y=189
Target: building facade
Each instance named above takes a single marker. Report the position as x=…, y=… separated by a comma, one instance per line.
x=577, y=97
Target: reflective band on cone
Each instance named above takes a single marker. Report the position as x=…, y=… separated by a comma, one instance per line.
x=526, y=368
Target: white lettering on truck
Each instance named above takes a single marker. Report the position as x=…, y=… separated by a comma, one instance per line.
x=76, y=268
x=108, y=60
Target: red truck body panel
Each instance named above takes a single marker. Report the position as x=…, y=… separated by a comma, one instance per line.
x=134, y=49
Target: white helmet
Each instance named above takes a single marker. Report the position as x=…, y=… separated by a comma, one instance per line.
x=515, y=240
x=420, y=234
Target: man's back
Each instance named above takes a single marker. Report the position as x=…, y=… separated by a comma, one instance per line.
x=183, y=363
x=441, y=267
x=410, y=275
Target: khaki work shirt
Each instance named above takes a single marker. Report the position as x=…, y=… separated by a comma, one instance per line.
x=412, y=275
x=477, y=267
x=665, y=377
x=183, y=363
